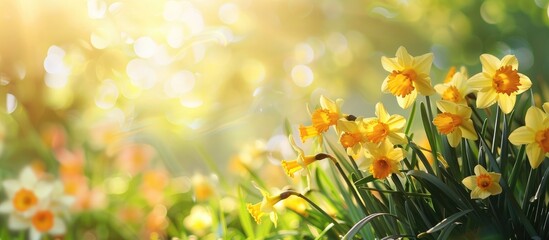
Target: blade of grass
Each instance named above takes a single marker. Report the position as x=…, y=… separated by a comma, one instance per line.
x=360, y=224
x=446, y=222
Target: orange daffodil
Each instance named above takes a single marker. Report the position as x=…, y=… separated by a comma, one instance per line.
x=408, y=76
x=35, y=204
x=322, y=118
x=499, y=82
x=455, y=122
x=383, y=160
x=455, y=89
x=301, y=162
x=535, y=134
x=483, y=184
x=352, y=135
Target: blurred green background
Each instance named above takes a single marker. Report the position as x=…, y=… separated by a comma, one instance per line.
x=199, y=80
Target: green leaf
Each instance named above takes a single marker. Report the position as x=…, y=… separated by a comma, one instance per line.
x=245, y=219
x=354, y=230
x=447, y=221
x=324, y=231
x=452, y=196
x=542, y=186
x=365, y=180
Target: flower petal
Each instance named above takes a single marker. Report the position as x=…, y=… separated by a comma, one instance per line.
x=490, y=63
x=522, y=135
x=479, y=82
x=494, y=189
x=403, y=57
x=390, y=64
x=423, y=85
x=479, y=169
x=534, y=118
x=58, y=227
x=535, y=155
x=546, y=107
x=28, y=177
x=506, y=102
x=385, y=85
x=441, y=88
x=11, y=187
x=396, y=122
x=6, y=207
x=396, y=154
x=381, y=112
x=408, y=100
x=470, y=182
x=274, y=218
x=397, y=138
x=509, y=60
x=525, y=83
x=454, y=138
x=495, y=176
x=447, y=106
x=423, y=63
x=479, y=193
x=486, y=99
x=17, y=222
x=468, y=130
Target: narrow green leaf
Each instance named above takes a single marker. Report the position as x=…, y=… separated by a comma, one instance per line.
x=365, y=180
x=448, y=221
x=445, y=234
x=245, y=219
x=356, y=228
x=440, y=185
x=542, y=186
x=324, y=231
x=410, y=119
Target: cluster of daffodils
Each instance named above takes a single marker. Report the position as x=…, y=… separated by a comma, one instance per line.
x=36, y=204
x=380, y=140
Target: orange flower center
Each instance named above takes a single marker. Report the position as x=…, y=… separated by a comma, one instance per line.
x=506, y=80
x=24, y=199
x=450, y=74
x=323, y=119
x=306, y=132
x=447, y=122
x=452, y=94
x=349, y=140
x=401, y=82
x=380, y=168
x=378, y=132
x=542, y=138
x=43, y=220
x=484, y=181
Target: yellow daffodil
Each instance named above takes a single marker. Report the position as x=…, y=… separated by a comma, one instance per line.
x=199, y=220
x=535, y=134
x=408, y=76
x=450, y=74
x=483, y=184
x=499, y=82
x=352, y=135
x=322, y=118
x=455, y=122
x=382, y=160
x=266, y=206
x=385, y=126
x=455, y=90
x=301, y=162
x=24, y=194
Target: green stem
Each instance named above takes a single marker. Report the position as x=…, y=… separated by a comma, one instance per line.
x=314, y=206
x=393, y=191
x=355, y=166
x=350, y=185
x=434, y=132
x=496, y=127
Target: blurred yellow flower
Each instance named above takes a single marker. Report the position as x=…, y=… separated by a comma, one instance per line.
x=499, y=82
x=199, y=221
x=322, y=118
x=450, y=75
x=385, y=127
x=454, y=90
x=202, y=187
x=483, y=184
x=266, y=206
x=455, y=122
x=408, y=75
x=301, y=162
x=383, y=159
x=535, y=134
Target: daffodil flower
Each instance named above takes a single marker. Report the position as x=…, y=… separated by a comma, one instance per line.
x=408, y=76
x=499, y=82
x=455, y=90
x=266, y=206
x=382, y=160
x=455, y=122
x=535, y=134
x=301, y=162
x=352, y=135
x=384, y=127
x=45, y=221
x=483, y=184
x=322, y=118
x=24, y=195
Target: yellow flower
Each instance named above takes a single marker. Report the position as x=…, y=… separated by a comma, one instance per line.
x=450, y=74
x=499, y=82
x=199, y=220
x=535, y=133
x=455, y=122
x=483, y=184
x=385, y=127
x=408, y=75
x=266, y=206
x=322, y=118
x=383, y=159
x=454, y=90
x=352, y=135
x=301, y=162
